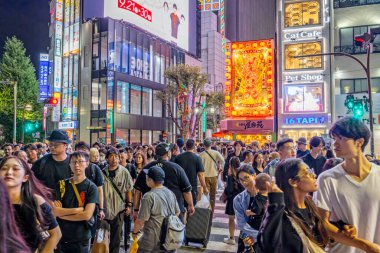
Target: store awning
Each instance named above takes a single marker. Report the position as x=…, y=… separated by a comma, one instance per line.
x=218, y=134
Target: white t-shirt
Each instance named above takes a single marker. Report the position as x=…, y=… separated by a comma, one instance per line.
x=356, y=203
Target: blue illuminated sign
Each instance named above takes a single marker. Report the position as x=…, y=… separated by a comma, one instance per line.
x=44, y=86
x=308, y=120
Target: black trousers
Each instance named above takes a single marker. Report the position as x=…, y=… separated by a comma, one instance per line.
x=116, y=226
x=73, y=247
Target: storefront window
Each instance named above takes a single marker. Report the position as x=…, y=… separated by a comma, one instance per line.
x=156, y=136
x=359, y=85
x=95, y=92
x=135, y=137
x=122, y=105
x=103, y=94
x=146, y=101
x=135, y=99
x=122, y=136
x=302, y=14
x=293, y=50
x=146, y=137
x=157, y=105
x=304, y=98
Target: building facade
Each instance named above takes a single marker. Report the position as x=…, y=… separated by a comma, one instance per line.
x=109, y=64
x=348, y=76
x=304, y=101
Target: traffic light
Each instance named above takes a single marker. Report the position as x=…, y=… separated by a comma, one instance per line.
x=51, y=102
x=349, y=103
x=358, y=109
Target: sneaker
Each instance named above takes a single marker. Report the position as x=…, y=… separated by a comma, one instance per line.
x=229, y=241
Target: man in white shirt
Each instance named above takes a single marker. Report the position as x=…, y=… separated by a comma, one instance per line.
x=212, y=160
x=348, y=197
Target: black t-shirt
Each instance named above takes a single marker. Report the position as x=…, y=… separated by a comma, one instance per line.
x=175, y=180
x=132, y=170
x=74, y=231
x=24, y=220
x=192, y=165
x=301, y=153
x=315, y=164
x=50, y=171
x=257, y=204
x=94, y=173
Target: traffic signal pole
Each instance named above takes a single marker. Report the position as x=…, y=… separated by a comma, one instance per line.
x=368, y=75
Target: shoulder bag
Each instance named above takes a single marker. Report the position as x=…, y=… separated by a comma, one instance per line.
x=91, y=222
x=216, y=164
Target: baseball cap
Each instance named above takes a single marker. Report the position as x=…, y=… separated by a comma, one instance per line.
x=156, y=173
x=302, y=140
x=207, y=142
x=162, y=149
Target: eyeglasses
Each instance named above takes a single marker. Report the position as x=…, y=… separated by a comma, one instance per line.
x=77, y=162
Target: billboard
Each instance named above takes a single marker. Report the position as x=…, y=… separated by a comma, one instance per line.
x=304, y=98
x=167, y=19
x=250, y=75
x=43, y=78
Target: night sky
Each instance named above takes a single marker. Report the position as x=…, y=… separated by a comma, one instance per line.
x=28, y=21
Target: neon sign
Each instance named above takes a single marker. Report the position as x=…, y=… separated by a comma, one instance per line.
x=305, y=120
x=303, y=35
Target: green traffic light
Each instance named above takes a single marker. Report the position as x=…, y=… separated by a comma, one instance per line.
x=350, y=104
x=358, y=109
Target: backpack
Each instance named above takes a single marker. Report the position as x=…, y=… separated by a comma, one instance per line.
x=172, y=230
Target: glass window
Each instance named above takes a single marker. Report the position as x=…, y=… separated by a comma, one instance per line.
x=346, y=36
x=122, y=136
x=157, y=105
x=95, y=92
x=125, y=51
x=103, y=94
x=304, y=98
x=135, y=99
x=146, y=137
x=118, y=43
x=346, y=86
x=361, y=85
x=292, y=50
x=375, y=83
x=146, y=64
x=157, y=68
x=103, y=53
x=303, y=13
x=156, y=136
x=135, y=137
x=122, y=105
x=111, y=44
x=146, y=101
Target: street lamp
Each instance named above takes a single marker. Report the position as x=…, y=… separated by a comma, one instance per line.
x=14, y=83
x=363, y=40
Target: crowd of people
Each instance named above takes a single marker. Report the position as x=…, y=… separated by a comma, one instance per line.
x=282, y=197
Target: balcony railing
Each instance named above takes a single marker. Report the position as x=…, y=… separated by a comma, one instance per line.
x=352, y=3
x=356, y=50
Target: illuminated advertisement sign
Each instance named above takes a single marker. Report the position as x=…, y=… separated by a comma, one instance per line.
x=303, y=98
x=57, y=73
x=209, y=5
x=43, y=78
x=304, y=77
x=250, y=75
x=302, y=35
x=247, y=126
x=306, y=120
x=167, y=19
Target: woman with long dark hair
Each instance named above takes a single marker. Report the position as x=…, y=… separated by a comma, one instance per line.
x=292, y=222
x=232, y=189
x=140, y=161
x=150, y=154
x=10, y=237
x=30, y=199
x=258, y=163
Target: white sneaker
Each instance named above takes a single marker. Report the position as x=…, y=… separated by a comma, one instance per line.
x=229, y=241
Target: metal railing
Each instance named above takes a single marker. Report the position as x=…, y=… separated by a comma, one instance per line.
x=353, y=3
x=352, y=49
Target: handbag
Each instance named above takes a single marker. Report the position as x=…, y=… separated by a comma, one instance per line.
x=44, y=235
x=91, y=222
x=223, y=197
x=102, y=238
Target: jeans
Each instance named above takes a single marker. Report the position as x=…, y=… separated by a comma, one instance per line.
x=73, y=247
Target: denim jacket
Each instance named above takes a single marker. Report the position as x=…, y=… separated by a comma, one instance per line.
x=271, y=167
x=241, y=204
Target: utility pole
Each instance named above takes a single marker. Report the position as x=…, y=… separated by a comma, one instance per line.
x=14, y=83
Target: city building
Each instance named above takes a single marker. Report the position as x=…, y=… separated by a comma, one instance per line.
x=349, y=78
x=304, y=101
x=109, y=64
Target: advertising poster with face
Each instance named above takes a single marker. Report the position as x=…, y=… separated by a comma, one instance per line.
x=304, y=98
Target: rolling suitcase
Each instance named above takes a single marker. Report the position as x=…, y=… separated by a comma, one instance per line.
x=198, y=227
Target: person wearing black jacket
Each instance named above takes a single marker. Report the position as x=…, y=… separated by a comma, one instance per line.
x=292, y=223
x=238, y=145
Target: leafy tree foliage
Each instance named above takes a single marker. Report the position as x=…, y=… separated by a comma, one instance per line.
x=15, y=65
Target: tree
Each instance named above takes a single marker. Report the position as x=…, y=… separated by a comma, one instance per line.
x=15, y=65
x=184, y=91
x=216, y=102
